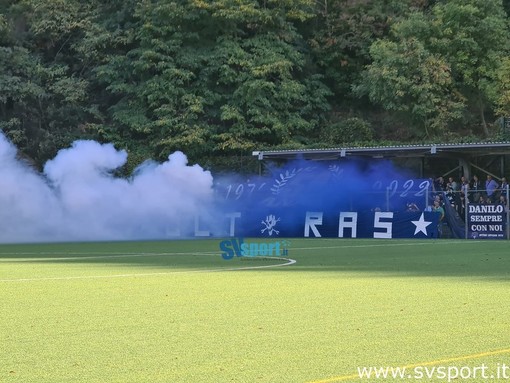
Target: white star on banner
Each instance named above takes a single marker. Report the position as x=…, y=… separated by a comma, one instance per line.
x=421, y=225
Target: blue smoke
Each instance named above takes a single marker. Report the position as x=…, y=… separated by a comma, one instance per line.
x=349, y=185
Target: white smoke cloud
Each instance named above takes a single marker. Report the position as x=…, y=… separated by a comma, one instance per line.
x=78, y=198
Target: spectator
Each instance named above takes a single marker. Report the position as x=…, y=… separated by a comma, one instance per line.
x=503, y=188
x=475, y=189
x=463, y=194
x=411, y=206
x=452, y=192
x=461, y=207
x=440, y=184
x=438, y=209
x=452, y=184
x=464, y=184
x=490, y=187
x=438, y=199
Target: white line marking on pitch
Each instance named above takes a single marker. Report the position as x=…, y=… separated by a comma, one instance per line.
x=288, y=263
x=128, y=255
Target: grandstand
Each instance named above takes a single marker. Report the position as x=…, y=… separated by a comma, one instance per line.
x=426, y=161
x=466, y=158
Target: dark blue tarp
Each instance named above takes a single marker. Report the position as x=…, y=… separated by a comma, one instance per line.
x=330, y=223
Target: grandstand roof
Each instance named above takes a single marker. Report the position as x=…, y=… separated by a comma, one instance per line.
x=424, y=150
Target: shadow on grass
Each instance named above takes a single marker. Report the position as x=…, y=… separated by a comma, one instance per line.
x=485, y=259
x=177, y=254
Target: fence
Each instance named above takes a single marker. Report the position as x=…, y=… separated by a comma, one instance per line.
x=480, y=211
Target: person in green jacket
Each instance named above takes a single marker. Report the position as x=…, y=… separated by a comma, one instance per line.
x=439, y=209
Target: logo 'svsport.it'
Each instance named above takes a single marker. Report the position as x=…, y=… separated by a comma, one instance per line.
x=236, y=247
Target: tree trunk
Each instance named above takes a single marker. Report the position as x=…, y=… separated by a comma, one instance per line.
x=482, y=117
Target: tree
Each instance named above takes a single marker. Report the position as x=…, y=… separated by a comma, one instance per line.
x=406, y=78
x=42, y=99
x=212, y=78
x=436, y=65
x=343, y=32
x=474, y=38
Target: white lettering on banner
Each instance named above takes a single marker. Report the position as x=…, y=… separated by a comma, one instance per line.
x=312, y=219
x=233, y=217
x=198, y=231
x=487, y=221
x=486, y=208
x=347, y=220
x=486, y=218
x=479, y=228
x=484, y=228
x=383, y=225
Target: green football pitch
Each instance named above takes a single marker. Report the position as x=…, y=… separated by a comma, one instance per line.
x=176, y=311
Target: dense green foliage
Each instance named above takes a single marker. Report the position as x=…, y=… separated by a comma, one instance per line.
x=220, y=78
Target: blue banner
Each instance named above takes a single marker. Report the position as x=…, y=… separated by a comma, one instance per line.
x=328, y=224
x=353, y=199
x=486, y=221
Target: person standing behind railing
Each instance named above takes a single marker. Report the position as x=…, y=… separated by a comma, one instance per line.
x=451, y=190
x=439, y=184
x=503, y=188
x=490, y=187
x=464, y=190
x=452, y=184
x=475, y=189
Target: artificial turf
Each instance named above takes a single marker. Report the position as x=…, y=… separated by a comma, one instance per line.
x=175, y=311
